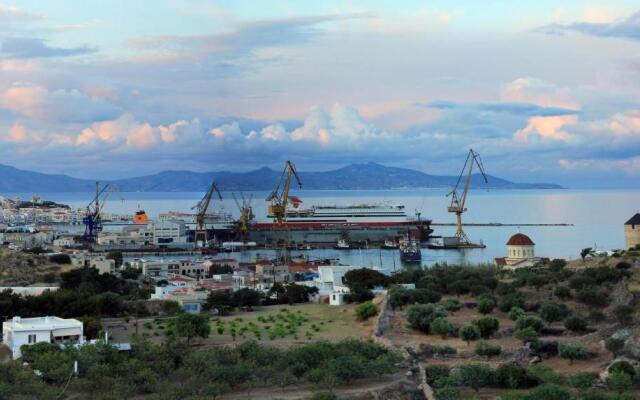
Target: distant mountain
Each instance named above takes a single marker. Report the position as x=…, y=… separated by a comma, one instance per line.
x=355, y=176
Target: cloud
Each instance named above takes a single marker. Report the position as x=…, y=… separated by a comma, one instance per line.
x=524, y=109
x=623, y=28
x=24, y=47
x=61, y=105
x=546, y=128
x=10, y=14
x=243, y=41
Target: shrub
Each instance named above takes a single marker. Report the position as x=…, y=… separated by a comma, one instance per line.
x=614, y=345
x=487, y=325
x=469, y=333
x=324, y=396
x=593, y=296
x=512, y=376
x=549, y=392
x=622, y=366
x=452, y=305
x=434, y=373
x=477, y=290
x=441, y=326
x=514, y=299
x=366, y=310
x=486, y=305
x=623, y=313
x=425, y=296
x=489, y=350
x=527, y=334
x=623, y=265
x=580, y=281
x=619, y=381
x=398, y=296
x=515, y=313
x=576, y=323
x=529, y=321
x=504, y=289
x=543, y=374
x=447, y=393
x=420, y=316
x=581, y=381
x=572, y=351
x=476, y=376
x=553, y=311
x=443, y=350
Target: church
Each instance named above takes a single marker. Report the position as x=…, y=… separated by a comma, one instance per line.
x=520, y=253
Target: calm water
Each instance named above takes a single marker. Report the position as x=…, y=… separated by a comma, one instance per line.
x=597, y=217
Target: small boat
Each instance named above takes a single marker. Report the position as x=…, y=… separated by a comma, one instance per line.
x=410, y=251
x=342, y=245
x=390, y=244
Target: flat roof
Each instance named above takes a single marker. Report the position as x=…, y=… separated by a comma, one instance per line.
x=42, y=323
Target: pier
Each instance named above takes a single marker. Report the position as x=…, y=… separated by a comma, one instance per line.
x=497, y=224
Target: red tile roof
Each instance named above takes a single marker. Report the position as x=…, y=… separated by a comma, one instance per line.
x=520, y=239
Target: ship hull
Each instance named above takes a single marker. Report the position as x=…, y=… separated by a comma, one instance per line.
x=328, y=234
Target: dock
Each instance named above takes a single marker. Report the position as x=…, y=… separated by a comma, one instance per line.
x=496, y=224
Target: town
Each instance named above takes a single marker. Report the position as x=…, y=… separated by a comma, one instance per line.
x=531, y=319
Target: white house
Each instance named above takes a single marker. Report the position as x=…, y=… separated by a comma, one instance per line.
x=330, y=278
x=25, y=331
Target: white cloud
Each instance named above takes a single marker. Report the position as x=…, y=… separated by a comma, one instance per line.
x=61, y=105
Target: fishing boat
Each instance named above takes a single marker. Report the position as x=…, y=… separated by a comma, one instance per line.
x=410, y=251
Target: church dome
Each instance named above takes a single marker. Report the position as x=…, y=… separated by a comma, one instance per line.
x=520, y=239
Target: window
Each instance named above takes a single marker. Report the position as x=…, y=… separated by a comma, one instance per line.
x=32, y=339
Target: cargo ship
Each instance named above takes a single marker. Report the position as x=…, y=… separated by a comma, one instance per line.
x=326, y=225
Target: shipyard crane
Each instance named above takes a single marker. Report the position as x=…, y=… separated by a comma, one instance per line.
x=246, y=212
x=279, y=198
x=201, y=234
x=93, y=216
x=458, y=201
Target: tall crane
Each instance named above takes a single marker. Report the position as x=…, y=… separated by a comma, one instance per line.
x=458, y=202
x=201, y=235
x=279, y=198
x=93, y=216
x=246, y=213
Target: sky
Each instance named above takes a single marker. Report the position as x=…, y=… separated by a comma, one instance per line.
x=545, y=91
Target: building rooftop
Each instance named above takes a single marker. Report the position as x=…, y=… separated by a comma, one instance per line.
x=635, y=220
x=520, y=239
x=41, y=323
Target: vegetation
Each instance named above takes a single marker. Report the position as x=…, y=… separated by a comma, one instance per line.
x=106, y=373
x=366, y=310
x=83, y=292
x=441, y=326
x=469, y=333
x=487, y=325
x=420, y=316
x=489, y=350
x=576, y=323
x=361, y=281
x=486, y=304
x=572, y=351
x=614, y=345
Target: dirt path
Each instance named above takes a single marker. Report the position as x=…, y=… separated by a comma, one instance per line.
x=306, y=391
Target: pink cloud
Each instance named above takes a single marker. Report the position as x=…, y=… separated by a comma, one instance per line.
x=547, y=128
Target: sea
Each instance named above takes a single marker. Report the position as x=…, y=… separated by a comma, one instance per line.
x=595, y=219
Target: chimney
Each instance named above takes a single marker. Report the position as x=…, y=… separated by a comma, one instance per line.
x=16, y=319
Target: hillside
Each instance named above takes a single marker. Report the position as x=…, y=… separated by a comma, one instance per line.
x=355, y=176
